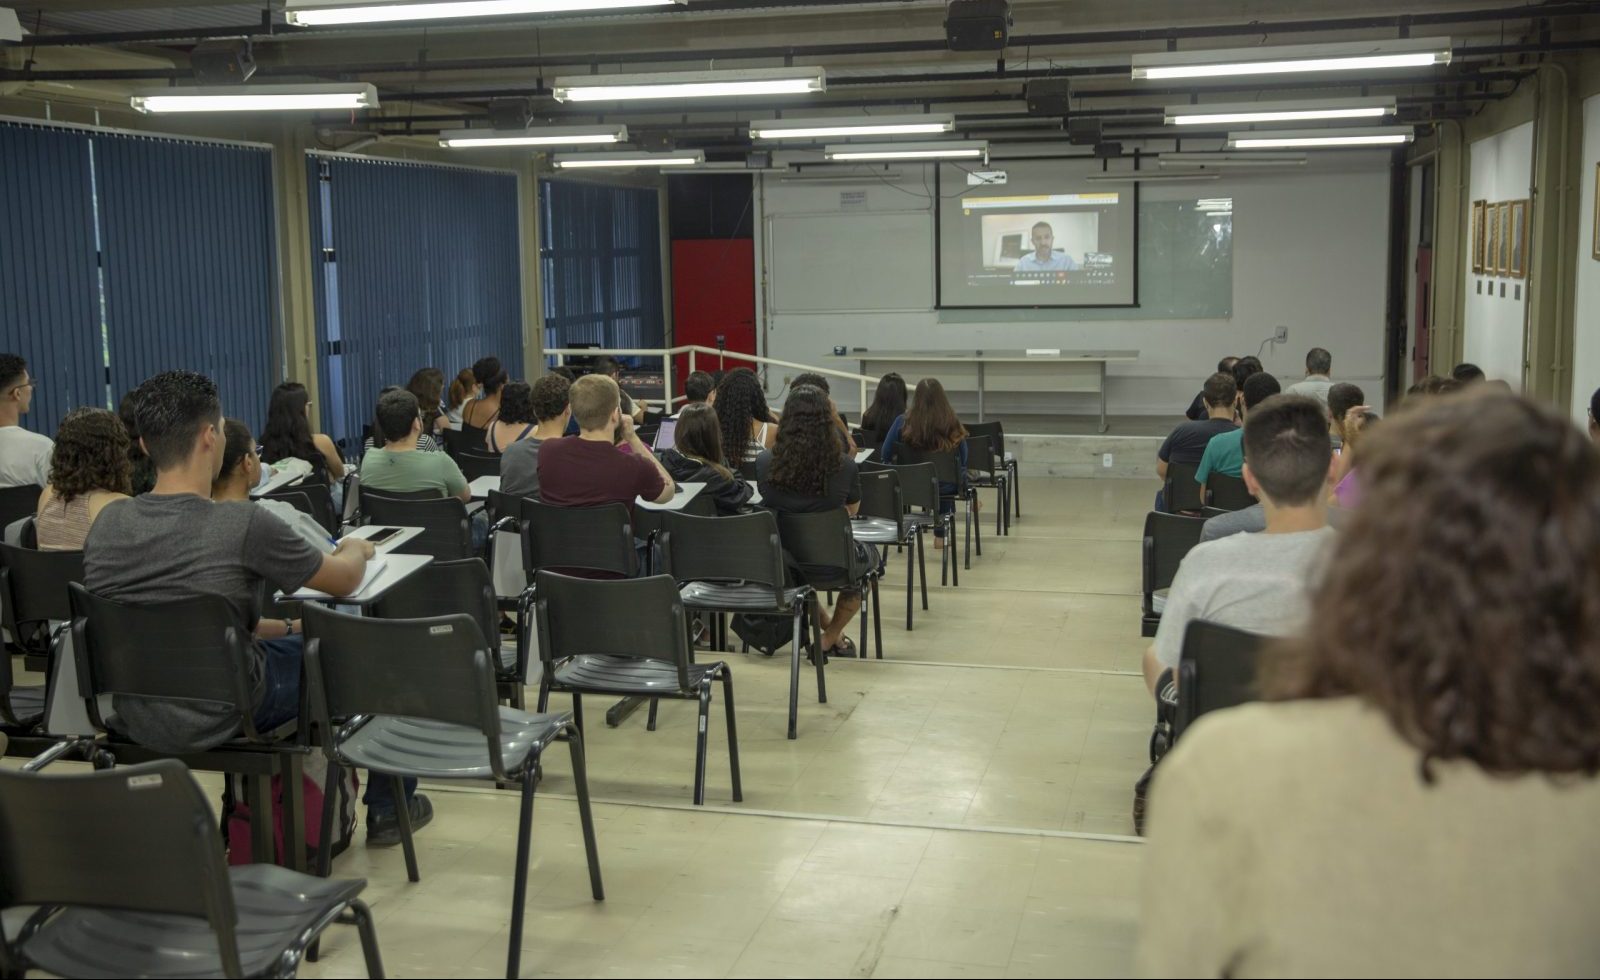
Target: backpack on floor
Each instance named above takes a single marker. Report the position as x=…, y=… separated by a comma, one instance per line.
x=769, y=634
x=236, y=815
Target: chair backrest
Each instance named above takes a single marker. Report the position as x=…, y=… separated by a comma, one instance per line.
x=596, y=539
x=189, y=650
x=445, y=588
x=1228, y=492
x=981, y=454
x=1167, y=538
x=469, y=437
x=35, y=584
x=475, y=463
x=1216, y=670
x=640, y=618
x=919, y=485
x=17, y=503
x=740, y=548
x=446, y=528
x=946, y=464
x=352, y=496
x=437, y=667
x=822, y=539
x=1182, y=492
x=747, y=469
x=502, y=505
x=993, y=431
x=315, y=499
x=881, y=497
x=162, y=853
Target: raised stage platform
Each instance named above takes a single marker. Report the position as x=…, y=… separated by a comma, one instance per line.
x=1069, y=446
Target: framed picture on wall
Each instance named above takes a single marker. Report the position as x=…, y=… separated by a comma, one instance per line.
x=1518, y=239
x=1491, y=255
x=1479, y=216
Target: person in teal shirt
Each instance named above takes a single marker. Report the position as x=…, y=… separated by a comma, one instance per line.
x=1225, y=453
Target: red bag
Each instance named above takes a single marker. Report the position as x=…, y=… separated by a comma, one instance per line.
x=236, y=814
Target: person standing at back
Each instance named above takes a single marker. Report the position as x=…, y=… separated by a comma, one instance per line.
x=1316, y=384
x=24, y=455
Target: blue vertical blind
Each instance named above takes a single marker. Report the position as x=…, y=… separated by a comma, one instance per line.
x=49, y=292
x=413, y=266
x=601, y=252
x=142, y=254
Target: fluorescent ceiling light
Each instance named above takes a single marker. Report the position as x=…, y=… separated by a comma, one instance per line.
x=1356, y=56
x=690, y=84
x=1360, y=136
x=256, y=98
x=1178, y=161
x=1258, y=112
x=937, y=150
x=676, y=158
x=538, y=136
x=926, y=124
x=333, y=13
x=1141, y=177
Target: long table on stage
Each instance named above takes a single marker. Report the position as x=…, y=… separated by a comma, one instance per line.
x=998, y=370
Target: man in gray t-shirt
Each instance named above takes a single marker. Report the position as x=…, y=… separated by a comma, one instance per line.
x=1259, y=582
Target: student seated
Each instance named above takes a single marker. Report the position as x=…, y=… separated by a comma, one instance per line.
x=696, y=389
x=1224, y=453
x=1197, y=408
x=611, y=368
x=1357, y=428
x=696, y=457
x=818, y=381
x=930, y=425
x=463, y=389
x=748, y=426
x=89, y=468
x=1316, y=384
x=1258, y=582
x=175, y=543
x=519, y=464
x=1342, y=397
x=888, y=404
x=481, y=412
x=1417, y=796
x=1187, y=443
x=590, y=470
x=806, y=473
x=1467, y=373
x=424, y=442
x=288, y=435
x=1594, y=417
x=397, y=465
x=428, y=385
x=24, y=455
x=241, y=471
x=143, y=475
x=516, y=419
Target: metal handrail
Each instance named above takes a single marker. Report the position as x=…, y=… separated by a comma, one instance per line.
x=562, y=353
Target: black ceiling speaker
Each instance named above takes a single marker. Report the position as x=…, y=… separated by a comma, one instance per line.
x=977, y=25
x=1107, y=151
x=513, y=113
x=652, y=140
x=225, y=61
x=1047, y=96
x=1083, y=132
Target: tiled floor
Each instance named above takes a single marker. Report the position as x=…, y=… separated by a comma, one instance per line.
x=957, y=809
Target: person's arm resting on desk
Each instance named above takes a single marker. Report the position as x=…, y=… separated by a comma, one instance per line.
x=667, y=488
x=342, y=571
x=279, y=555
x=455, y=481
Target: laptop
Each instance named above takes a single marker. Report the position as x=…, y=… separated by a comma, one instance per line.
x=664, y=434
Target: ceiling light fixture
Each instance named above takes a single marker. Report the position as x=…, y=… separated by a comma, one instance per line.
x=537, y=136
x=256, y=98
x=335, y=13
x=690, y=84
x=937, y=150
x=1357, y=56
x=1141, y=176
x=1177, y=161
x=1305, y=138
x=926, y=124
x=1260, y=112
x=676, y=158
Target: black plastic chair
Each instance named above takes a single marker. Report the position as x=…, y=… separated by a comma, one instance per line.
x=1181, y=492
x=947, y=471
x=468, y=438
x=1228, y=492
x=193, y=651
x=735, y=564
x=747, y=469
x=825, y=548
x=628, y=638
x=881, y=520
x=589, y=539
x=985, y=471
x=446, y=528
x=919, y=490
x=1167, y=538
x=17, y=503
x=416, y=697
x=997, y=434
x=478, y=463
x=315, y=499
x=1216, y=670
x=146, y=893
x=33, y=587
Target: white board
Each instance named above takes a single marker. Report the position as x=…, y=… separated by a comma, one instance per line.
x=850, y=261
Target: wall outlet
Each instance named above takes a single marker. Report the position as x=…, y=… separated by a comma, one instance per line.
x=1105, y=460
x=1282, y=336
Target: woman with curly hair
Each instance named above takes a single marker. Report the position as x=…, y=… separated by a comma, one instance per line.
x=1418, y=795
x=747, y=423
x=805, y=472
x=516, y=419
x=89, y=469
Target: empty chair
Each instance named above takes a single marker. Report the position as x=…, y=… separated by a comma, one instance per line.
x=315, y=499
x=1167, y=538
x=825, y=549
x=919, y=490
x=735, y=564
x=33, y=596
x=948, y=472
x=1181, y=492
x=1216, y=670
x=986, y=471
x=595, y=540
x=996, y=433
x=415, y=697
x=446, y=528
x=882, y=520
x=630, y=638
x=146, y=894
x=476, y=463
x=649, y=521
x=1228, y=492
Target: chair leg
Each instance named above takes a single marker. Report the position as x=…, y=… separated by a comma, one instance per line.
x=330, y=790
x=519, y=887
x=577, y=710
x=911, y=585
x=294, y=813
x=966, y=536
x=949, y=549
x=258, y=797
x=733, y=735
x=580, y=778
x=975, y=522
x=402, y=810
x=877, y=622
x=700, y=744
x=544, y=692
x=822, y=683
x=865, y=611
x=1016, y=489
x=922, y=570
x=650, y=721
x=369, y=937
x=794, y=674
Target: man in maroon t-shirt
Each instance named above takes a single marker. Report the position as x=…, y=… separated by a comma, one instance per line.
x=590, y=470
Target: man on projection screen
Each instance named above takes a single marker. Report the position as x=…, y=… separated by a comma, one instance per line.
x=1044, y=258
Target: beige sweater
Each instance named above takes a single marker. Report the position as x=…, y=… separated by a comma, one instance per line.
x=1297, y=839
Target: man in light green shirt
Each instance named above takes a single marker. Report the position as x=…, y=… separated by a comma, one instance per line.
x=398, y=466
